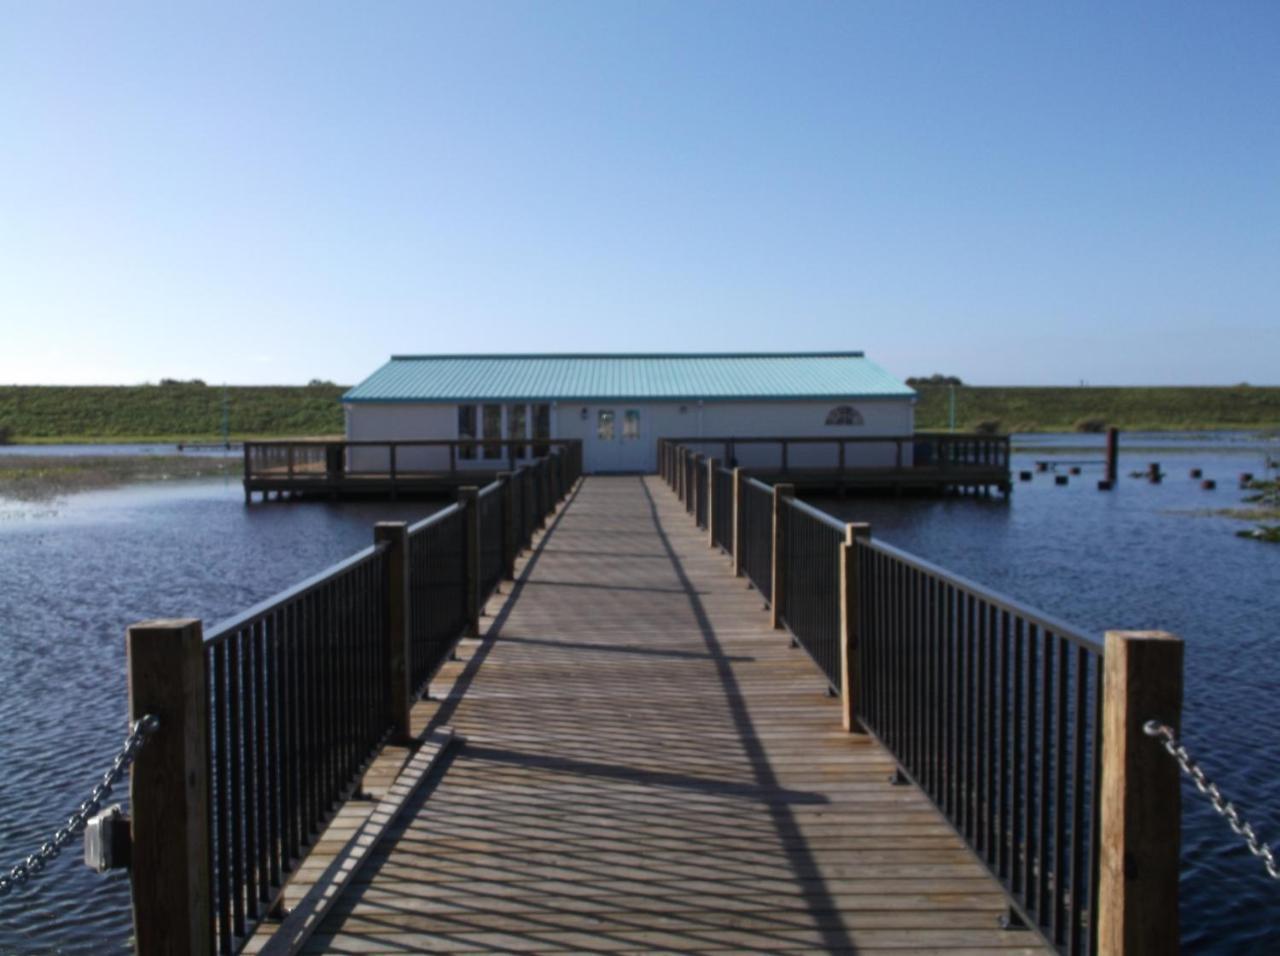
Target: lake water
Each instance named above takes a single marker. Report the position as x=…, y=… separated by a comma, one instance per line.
x=74, y=574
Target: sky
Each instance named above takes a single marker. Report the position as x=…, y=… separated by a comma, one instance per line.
x=1012, y=192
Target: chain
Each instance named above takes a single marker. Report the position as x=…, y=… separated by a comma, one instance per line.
x=142, y=729
x=1225, y=809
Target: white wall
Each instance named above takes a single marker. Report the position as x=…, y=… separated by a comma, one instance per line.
x=883, y=417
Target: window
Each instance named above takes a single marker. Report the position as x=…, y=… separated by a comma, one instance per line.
x=631, y=424
x=492, y=431
x=604, y=424
x=541, y=428
x=466, y=429
x=515, y=426
x=844, y=415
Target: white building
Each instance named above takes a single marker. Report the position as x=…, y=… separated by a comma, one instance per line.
x=620, y=405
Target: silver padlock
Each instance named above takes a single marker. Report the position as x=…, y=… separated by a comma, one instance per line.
x=107, y=840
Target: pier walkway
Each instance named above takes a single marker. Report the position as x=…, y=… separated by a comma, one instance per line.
x=649, y=767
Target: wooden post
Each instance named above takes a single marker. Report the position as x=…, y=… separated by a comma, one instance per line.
x=168, y=788
x=1113, y=454
x=778, y=585
x=248, y=495
x=1141, y=798
x=510, y=544
x=399, y=693
x=680, y=473
x=713, y=465
x=699, y=495
x=469, y=498
x=849, y=606
x=737, y=522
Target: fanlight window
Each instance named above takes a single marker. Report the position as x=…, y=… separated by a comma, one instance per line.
x=844, y=415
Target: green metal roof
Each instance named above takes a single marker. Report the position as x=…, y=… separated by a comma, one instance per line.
x=628, y=377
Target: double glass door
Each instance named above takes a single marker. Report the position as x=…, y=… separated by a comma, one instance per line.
x=617, y=444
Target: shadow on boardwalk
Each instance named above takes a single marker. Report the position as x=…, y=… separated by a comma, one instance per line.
x=650, y=768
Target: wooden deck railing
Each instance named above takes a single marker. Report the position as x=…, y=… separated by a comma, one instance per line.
x=324, y=460
x=268, y=721
x=1024, y=732
x=946, y=454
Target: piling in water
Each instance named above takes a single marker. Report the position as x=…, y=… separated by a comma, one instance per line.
x=1104, y=484
x=1059, y=479
x=1196, y=472
x=1024, y=476
x=1208, y=484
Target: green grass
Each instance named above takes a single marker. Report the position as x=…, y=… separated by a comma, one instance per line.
x=171, y=413
x=1036, y=409
x=187, y=412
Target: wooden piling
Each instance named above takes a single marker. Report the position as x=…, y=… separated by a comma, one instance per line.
x=778, y=587
x=399, y=693
x=737, y=522
x=1141, y=799
x=713, y=465
x=169, y=790
x=849, y=605
x=1113, y=454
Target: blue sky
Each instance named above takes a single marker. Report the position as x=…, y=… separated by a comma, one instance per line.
x=1018, y=193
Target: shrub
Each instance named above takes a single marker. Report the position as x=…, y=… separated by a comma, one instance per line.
x=990, y=426
x=934, y=379
x=1091, y=425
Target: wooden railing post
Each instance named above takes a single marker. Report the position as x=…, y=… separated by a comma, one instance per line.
x=699, y=464
x=169, y=790
x=1141, y=799
x=778, y=586
x=737, y=522
x=850, y=605
x=681, y=452
x=399, y=693
x=469, y=498
x=713, y=465
x=510, y=541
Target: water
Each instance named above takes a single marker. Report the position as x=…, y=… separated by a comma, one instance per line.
x=73, y=575
x=1149, y=557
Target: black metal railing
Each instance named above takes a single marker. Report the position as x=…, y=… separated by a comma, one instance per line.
x=491, y=538
x=701, y=480
x=296, y=696
x=722, y=510
x=809, y=568
x=301, y=691
x=755, y=534
x=437, y=591
x=994, y=709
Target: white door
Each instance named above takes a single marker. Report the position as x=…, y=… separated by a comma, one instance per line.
x=602, y=444
x=634, y=449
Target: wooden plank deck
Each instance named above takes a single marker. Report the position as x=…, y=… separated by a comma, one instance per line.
x=650, y=768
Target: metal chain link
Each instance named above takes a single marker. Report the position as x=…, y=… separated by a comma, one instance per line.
x=142, y=728
x=1154, y=728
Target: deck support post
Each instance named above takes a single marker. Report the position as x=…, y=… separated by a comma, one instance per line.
x=778, y=588
x=1141, y=798
x=399, y=694
x=469, y=498
x=510, y=545
x=850, y=603
x=168, y=789
x=737, y=522
x=713, y=466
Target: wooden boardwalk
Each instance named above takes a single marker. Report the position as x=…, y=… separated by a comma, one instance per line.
x=650, y=768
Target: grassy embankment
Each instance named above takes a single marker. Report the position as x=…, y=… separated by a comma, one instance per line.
x=1037, y=409
x=166, y=413
x=190, y=412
